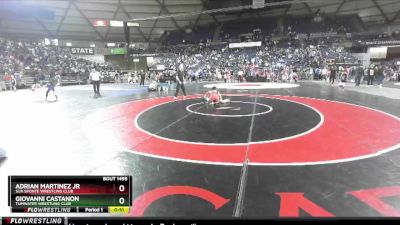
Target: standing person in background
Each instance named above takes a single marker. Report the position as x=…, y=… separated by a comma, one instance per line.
x=116, y=77
x=51, y=87
x=58, y=78
x=130, y=78
x=366, y=72
x=142, y=77
x=180, y=82
x=380, y=76
x=371, y=74
x=95, y=78
x=311, y=74
x=226, y=72
x=324, y=73
x=13, y=82
x=397, y=74
x=294, y=77
x=332, y=76
x=111, y=75
x=240, y=75
x=343, y=78
x=7, y=80
x=41, y=79
x=35, y=81
x=359, y=74
x=352, y=72
x=148, y=74
x=317, y=74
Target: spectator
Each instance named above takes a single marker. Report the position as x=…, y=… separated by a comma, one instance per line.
x=371, y=74
x=380, y=75
x=359, y=75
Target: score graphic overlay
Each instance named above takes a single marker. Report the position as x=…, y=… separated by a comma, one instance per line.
x=77, y=194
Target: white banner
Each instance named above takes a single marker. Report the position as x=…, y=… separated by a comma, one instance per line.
x=258, y=4
x=116, y=23
x=150, y=60
x=388, y=42
x=378, y=53
x=245, y=44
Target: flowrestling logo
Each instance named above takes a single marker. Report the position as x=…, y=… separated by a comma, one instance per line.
x=30, y=220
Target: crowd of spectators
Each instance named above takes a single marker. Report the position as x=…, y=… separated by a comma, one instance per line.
x=21, y=60
x=275, y=60
x=284, y=60
x=303, y=50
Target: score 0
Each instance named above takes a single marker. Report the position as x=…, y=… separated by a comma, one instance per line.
x=121, y=188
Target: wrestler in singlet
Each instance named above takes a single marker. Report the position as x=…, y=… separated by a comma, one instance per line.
x=214, y=96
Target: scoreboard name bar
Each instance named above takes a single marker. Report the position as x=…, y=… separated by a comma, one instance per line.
x=71, y=191
x=66, y=179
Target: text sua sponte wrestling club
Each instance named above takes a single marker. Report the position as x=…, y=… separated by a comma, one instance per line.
x=66, y=188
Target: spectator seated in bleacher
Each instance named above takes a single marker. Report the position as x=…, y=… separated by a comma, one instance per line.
x=34, y=60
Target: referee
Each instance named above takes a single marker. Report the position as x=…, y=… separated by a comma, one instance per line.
x=180, y=82
x=95, y=78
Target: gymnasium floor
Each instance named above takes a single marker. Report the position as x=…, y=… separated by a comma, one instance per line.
x=307, y=150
